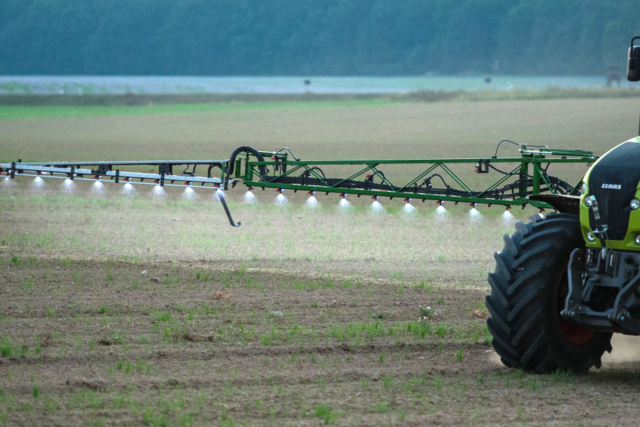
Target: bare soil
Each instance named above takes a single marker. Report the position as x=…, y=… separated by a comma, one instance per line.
x=167, y=343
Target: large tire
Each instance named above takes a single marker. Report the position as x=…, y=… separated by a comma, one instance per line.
x=528, y=289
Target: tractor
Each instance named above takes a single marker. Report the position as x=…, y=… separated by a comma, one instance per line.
x=565, y=282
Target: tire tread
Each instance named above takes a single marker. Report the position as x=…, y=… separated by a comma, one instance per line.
x=524, y=335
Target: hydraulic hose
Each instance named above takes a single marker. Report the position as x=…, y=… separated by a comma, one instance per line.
x=247, y=149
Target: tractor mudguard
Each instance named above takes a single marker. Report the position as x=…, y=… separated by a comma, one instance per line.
x=562, y=203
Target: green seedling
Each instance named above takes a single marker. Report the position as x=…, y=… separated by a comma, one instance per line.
x=325, y=412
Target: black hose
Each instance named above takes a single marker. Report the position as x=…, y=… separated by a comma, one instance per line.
x=428, y=180
x=213, y=165
x=307, y=173
x=508, y=173
x=247, y=149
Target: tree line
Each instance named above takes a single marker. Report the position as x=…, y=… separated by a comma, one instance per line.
x=311, y=37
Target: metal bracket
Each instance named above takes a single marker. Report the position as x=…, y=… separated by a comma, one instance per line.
x=574, y=297
x=620, y=315
x=102, y=169
x=165, y=169
x=482, y=166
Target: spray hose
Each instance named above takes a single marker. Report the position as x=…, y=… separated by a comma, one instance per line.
x=247, y=149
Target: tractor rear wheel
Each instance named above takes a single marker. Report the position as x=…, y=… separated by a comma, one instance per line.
x=528, y=289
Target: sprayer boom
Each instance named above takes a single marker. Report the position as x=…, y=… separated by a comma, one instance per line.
x=435, y=180
x=516, y=186
x=109, y=171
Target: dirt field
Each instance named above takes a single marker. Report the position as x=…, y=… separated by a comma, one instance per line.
x=117, y=312
x=135, y=312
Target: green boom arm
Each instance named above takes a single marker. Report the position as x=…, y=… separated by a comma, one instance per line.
x=365, y=177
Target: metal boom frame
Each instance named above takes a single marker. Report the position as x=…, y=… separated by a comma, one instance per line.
x=516, y=187
x=311, y=177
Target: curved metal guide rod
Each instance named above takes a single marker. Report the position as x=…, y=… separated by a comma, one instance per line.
x=226, y=209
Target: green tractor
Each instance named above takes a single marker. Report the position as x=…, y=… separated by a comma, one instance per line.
x=564, y=283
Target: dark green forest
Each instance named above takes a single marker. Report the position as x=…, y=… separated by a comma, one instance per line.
x=315, y=37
